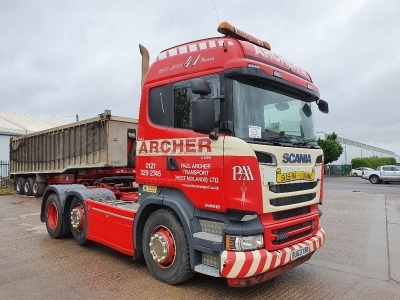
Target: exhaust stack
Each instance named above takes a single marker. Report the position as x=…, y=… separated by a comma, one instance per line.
x=145, y=61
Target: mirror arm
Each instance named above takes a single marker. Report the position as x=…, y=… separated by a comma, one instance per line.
x=227, y=126
x=213, y=136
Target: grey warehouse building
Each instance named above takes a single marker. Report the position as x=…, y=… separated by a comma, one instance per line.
x=353, y=149
x=16, y=125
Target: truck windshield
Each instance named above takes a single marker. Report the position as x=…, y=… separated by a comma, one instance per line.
x=271, y=116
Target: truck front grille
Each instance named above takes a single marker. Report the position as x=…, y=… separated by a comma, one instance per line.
x=293, y=187
x=292, y=237
x=293, y=199
x=286, y=214
x=287, y=233
x=281, y=231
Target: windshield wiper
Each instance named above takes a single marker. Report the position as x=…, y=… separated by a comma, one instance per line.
x=262, y=141
x=305, y=142
x=275, y=138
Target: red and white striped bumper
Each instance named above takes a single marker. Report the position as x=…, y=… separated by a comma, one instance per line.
x=251, y=263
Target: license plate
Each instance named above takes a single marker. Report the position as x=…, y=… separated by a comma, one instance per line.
x=294, y=175
x=300, y=252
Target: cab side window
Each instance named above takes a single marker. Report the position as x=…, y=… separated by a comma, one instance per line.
x=160, y=105
x=182, y=107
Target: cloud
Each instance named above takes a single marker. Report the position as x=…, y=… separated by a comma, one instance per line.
x=81, y=57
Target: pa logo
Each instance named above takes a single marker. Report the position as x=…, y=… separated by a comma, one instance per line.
x=242, y=173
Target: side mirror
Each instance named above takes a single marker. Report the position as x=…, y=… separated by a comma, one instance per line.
x=306, y=110
x=323, y=106
x=203, y=114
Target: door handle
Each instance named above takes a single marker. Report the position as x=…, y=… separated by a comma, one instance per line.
x=172, y=164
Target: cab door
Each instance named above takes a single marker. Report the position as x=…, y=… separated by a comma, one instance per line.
x=195, y=162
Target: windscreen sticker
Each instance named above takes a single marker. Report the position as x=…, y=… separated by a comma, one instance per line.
x=255, y=132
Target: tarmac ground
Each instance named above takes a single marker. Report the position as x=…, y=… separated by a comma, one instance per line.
x=360, y=259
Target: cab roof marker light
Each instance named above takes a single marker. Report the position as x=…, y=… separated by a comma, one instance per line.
x=227, y=29
x=277, y=74
x=253, y=66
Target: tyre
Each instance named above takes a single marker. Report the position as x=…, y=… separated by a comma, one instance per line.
x=28, y=187
x=355, y=174
x=374, y=179
x=19, y=185
x=38, y=188
x=56, y=224
x=165, y=248
x=78, y=221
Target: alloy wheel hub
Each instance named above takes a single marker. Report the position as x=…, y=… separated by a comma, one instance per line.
x=159, y=247
x=76, y=218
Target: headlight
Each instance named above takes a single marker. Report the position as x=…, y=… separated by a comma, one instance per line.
x=244, y=243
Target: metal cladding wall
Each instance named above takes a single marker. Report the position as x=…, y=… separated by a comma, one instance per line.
x=96, y=142
x=4, y=146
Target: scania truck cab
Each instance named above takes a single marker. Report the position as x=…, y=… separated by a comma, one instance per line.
x=229, y=173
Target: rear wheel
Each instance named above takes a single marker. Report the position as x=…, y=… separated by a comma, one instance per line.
x=374, y=179
x=55, y=223
x=165, y=248
x=355, y=174
x=19, y=186
x=28, y=187
x=38, y=188
x=78, y=221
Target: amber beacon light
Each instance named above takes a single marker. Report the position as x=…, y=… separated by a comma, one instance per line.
x=229, y=30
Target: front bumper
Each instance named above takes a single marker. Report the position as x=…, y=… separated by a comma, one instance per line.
x=240, y=265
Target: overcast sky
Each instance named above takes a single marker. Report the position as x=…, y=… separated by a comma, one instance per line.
x=62, y=58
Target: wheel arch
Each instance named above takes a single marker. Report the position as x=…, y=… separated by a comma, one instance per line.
x=66, y=192
x=168, y=198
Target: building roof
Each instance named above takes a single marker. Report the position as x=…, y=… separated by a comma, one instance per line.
x=15, y=124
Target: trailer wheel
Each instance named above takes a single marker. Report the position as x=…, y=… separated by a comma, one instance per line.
x=37, y=188
x=55, y=223
x=19, y=186
x=374, y=179
x=78, y=221
x=165, y=248
x=28, y=187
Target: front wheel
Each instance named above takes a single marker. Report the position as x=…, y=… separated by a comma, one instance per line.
x=165, y=248
x=355, y=174
x=374, y=179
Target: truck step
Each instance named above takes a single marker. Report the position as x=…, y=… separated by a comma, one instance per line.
x=207, y=270
x=134, y=206
x=208, y=236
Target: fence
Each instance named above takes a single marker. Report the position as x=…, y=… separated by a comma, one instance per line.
x=338, y=170
x=5, y=181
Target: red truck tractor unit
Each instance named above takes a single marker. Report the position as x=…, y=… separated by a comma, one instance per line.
x=229, y=175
